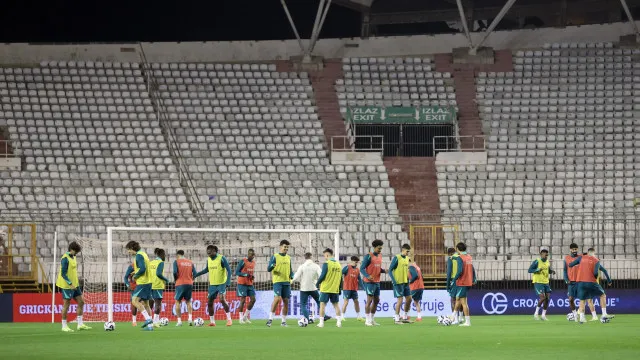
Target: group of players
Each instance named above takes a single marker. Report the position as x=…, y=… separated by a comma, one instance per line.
x=323, y=284
x=146, y=281
x=581, y=273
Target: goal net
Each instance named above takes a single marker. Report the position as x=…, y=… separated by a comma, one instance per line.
x=104, y=263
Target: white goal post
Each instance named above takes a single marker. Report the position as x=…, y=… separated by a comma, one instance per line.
x=265, y=241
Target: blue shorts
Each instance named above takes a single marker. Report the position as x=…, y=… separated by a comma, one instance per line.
x=245, y=290
x=401, y=290
x=542, y=288
x=282, y=289
x=156, y=294
x=453, y=290
x=214, y=290
x=350, y=294
x=372, y=289
x=69, y=294
x=417, y=294
x=325, y=298
x=462, y=291
x=572, y=290
x=589, y=290
x=183, y=292
x=143, y=292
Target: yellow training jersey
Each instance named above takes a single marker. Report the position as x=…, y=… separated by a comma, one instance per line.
x=454, y=264
x=401, y=273
x=146, y=277
x=331, y=282
x=72, y=273
x=217, y=273
x=156, y=282
x=541, y=277
x=283, y=268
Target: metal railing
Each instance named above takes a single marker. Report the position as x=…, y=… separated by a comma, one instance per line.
x=359, y=143
x=467, y=143
x=503, y=246
x=174, y=149
x=5, y=149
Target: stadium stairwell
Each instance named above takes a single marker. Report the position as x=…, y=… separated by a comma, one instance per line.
x=323, y=83
x=464, y=78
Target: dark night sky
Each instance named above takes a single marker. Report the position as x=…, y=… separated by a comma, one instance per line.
x=166, y=20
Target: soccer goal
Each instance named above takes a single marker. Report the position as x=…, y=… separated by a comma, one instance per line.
x=104, y=263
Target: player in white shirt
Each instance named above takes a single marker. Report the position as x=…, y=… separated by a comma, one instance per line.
x=307, y=274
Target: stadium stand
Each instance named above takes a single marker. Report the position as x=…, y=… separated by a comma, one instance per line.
x=562, y=140
x=255, y=146
x=251, y=136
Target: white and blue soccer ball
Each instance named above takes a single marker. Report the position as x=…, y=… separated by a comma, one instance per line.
x=605, y=320
x=164, y=321
x=198, y=322
x=571, y=317
x=440, y=318
x=446, y=321
x=109, y=326
x=303, y=322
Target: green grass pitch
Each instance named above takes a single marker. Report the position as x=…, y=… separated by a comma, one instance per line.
x=489, y=337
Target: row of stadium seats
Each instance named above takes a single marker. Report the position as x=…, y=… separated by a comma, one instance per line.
x=560, y=142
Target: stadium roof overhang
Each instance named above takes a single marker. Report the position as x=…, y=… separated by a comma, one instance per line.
x=384, y=12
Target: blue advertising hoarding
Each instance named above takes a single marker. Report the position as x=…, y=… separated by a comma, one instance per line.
x=6, y=304
x=523, y=302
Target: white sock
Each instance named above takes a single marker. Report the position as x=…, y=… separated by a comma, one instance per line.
x=419, y=314
x=156, y=317
x=468, y=319
x=367, y=317
x=64, y=323
x=537, y=310
x=145, y=314
x=79, y=320
x=271, y=316
x=133, y=318
x=396, y=317
x=212, y=320
x=581, y=316
x=544, y=312
x=357, y=315
x=406, y=315
x=604, y=312
x=575, y=313
x=179, y=320
x=228, y=316
x=241, y=315
x=460, y=315
x=284, y=317
x=246, y=314
x=190, y=317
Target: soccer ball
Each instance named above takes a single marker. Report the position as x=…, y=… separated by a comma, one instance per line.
x=604, y=320
x=164, y=322
x=446, y=321
x=109, y=326
x=303, y=322
x=440, y=318
x=571, y=317
x=198, y=322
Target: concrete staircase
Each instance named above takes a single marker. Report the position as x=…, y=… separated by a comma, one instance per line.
x=464, y=79
x=414, y=181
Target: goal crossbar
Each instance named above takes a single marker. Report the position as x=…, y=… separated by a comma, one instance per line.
x=111, y=229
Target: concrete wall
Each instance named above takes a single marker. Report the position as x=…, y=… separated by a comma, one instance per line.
x=241, y=51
